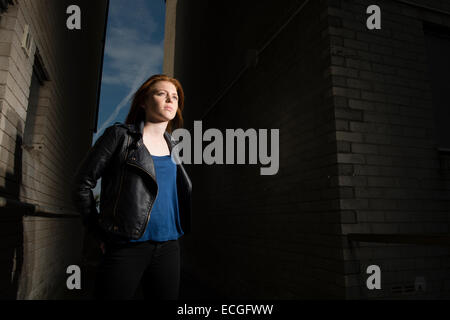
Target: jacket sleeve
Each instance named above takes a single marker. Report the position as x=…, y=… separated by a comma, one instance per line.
x=89, y=171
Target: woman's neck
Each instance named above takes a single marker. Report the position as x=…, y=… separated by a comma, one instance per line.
x=154, y=130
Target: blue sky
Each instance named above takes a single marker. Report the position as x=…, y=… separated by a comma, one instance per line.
x=133, y=52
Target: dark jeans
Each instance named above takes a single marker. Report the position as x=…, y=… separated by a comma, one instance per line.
x=124, y=266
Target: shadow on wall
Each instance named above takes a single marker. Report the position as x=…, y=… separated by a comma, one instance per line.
x=11, y=220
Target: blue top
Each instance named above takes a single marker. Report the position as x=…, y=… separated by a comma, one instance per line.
x=164, y=223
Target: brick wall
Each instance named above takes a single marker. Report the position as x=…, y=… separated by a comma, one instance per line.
x=389, y=172
x=354, y=109
x=264, y=236
x=41, y=233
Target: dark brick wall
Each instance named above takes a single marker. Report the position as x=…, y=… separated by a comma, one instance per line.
x=265, y=236
x=357, y=154
x=389, y=166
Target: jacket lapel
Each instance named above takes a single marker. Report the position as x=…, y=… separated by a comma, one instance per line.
x=139, y=155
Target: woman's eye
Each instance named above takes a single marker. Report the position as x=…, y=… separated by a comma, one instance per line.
x=176, y=98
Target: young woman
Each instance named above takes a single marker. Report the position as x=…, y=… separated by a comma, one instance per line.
x=145, y=201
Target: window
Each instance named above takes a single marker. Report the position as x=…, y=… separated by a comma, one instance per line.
x=4, y=5
x=37, y=80
x=437, y=41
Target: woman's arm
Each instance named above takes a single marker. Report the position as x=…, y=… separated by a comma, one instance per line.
x=89, y=171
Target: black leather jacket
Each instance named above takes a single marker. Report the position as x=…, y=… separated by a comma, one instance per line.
x=128, y=186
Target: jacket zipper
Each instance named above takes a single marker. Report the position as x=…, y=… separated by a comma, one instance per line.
x=121, y=179
x=157, y=191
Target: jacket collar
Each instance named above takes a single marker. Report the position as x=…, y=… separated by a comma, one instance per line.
x=139, y=155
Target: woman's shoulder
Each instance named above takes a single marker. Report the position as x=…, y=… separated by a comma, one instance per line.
x=120, y=127
x=116, y=131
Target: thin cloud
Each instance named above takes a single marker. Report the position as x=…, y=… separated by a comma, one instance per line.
x=139, y=79
x=128, y=52
x=131, y=54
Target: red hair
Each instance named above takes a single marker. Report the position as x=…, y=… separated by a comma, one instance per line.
x=137, y=113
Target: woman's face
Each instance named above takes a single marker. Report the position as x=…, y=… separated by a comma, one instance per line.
x=162, y=103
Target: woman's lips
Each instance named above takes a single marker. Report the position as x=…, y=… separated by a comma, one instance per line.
x=170, y=108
